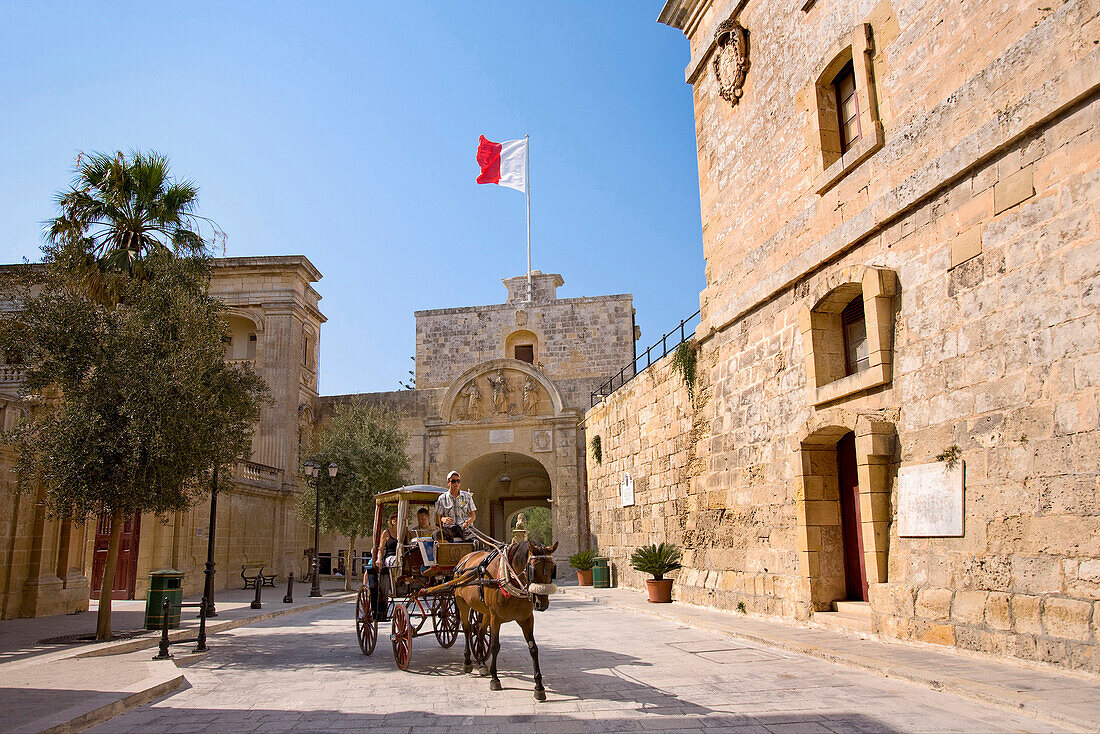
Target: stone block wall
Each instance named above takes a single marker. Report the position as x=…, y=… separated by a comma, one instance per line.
x=979, y=202
x=580, y=341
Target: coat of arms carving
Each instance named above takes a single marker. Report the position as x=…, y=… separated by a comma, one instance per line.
x=731, y=61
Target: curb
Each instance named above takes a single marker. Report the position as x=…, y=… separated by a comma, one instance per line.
x=191, y=634
x=115, y=708
x=965, y=688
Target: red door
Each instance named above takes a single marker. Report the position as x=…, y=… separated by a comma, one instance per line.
x=855, y=574
x=126, y=568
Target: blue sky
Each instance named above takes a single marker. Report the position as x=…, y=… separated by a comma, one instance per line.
x=347, y=132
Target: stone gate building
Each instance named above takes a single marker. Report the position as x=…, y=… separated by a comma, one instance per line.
x=895, y=425
x=499, y=395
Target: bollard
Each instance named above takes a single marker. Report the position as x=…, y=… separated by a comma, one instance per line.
x=164, y=654
x=289, y=598
x=201, y=647
x=259, y=586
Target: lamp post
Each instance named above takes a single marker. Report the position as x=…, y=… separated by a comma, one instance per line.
x=208, y=586
x=313, y=472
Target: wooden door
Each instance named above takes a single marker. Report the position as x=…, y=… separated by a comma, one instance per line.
x=855, y=572
x=126, y=568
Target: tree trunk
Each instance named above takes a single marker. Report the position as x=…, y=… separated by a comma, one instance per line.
x=350, y=560
x=103, y=621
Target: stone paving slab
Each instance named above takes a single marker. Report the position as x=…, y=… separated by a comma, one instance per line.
x=605, y=670
x=47, y=687
x=1064, y=698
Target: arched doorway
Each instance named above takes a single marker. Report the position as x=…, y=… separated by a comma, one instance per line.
x=504, y=483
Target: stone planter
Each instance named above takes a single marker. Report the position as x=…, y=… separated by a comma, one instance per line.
x=584, y=578
x=660, y=590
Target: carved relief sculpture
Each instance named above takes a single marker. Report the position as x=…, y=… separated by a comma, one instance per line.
x=530, y=396
x=473, y=401
x=731, y=60
x=499, y=383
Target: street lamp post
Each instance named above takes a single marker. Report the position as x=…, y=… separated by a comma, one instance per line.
x=208, y=585
x=313, y=472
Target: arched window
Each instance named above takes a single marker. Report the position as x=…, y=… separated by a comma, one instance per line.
x=522, y=345
x=846, y=115
x=243, y=339
x=848, y=334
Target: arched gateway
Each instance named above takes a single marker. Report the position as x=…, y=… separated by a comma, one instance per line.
x=503, y=425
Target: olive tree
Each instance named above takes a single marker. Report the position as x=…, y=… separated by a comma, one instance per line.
x=369, y=448
x=122, y=350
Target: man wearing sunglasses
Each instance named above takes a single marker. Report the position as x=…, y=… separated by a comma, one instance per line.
x=455, y=510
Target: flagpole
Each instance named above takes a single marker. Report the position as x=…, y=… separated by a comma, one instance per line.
x=527, y=191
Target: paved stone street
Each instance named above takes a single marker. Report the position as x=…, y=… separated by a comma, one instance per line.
x=605, y=670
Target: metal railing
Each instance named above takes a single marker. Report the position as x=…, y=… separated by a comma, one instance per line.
x=632, y=370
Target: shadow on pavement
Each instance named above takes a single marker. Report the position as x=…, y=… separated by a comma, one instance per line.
x=269, y=720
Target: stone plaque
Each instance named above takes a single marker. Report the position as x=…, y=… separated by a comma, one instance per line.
x=542, y=441
x=626, y=490
x=503, y=435
x=930, y=500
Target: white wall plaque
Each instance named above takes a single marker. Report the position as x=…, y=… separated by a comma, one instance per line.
x=626, y=490
x=930, y=500
x=503, y=435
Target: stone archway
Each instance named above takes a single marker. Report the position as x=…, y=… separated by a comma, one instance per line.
x=527, y=483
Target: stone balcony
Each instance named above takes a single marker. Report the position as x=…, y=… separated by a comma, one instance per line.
x=256, y=476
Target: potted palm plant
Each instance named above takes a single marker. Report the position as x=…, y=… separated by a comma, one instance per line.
x=583, y=562
x=657, y=560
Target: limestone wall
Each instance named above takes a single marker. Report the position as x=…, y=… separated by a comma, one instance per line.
x=970, y=231
x=584, y=339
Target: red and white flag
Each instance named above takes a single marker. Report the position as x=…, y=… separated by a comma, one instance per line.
x=503, y=163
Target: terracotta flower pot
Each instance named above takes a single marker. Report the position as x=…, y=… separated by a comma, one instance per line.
x=660, y=590
x=584, y=578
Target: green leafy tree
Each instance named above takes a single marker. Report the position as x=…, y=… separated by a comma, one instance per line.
x=123, y=357
x=369, y=448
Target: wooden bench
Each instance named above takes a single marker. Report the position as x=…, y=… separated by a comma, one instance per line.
x=253, y=573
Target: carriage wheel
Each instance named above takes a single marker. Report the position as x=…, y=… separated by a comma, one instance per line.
x=401, y=636
x=479, y=644
x=446, y=620
x=366, y=628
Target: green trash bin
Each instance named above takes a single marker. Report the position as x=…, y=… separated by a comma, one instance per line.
x=601, y=574
x=167, y=583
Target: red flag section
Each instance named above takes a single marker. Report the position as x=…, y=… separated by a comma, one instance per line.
x=488, y=157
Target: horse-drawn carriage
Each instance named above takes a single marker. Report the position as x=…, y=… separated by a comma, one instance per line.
x=449, y=585
x=418, y=563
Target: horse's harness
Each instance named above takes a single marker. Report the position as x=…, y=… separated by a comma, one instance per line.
x=507, y=581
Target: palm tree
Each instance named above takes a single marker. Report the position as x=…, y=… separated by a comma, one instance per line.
x=118, y=212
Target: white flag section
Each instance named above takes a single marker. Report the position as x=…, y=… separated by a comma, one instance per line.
x=513, y=164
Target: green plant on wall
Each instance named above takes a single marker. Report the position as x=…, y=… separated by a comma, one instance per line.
x=595, y=447
x=685, y=361
x=950, y=456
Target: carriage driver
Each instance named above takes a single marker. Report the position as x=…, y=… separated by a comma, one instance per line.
x=455, y=510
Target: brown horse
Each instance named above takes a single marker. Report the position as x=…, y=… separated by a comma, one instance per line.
x=527, y=589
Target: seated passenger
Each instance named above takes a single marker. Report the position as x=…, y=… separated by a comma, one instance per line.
x=387, y=543
x=423, y=527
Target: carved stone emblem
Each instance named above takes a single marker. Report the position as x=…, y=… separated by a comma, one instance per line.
x=543, y=441
x=521, y=317
x=731, y=60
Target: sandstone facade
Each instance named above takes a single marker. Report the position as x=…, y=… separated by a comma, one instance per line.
x=49, y=566
x=925, y=294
